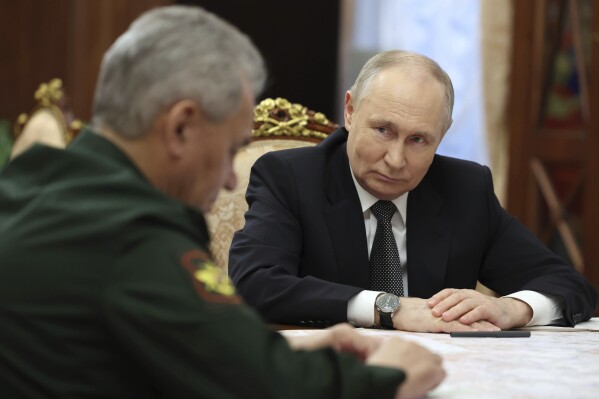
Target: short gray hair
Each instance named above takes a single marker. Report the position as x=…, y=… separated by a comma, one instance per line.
x=400, y=58
x=169, y=54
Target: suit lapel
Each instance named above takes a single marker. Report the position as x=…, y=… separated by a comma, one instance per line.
x=343, y=215
x=429, y=232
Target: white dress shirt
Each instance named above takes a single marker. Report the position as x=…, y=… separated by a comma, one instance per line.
x=360, y=309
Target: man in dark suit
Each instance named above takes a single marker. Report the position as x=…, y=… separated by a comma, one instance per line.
x=313, y=251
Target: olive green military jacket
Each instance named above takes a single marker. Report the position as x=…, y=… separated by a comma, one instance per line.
x=107, y=290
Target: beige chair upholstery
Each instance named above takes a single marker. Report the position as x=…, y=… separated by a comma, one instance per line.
x=278, y=124
x=48, y=123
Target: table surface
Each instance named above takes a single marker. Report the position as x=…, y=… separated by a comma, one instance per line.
x=552, y=363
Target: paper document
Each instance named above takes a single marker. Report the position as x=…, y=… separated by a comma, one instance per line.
x=591, y=325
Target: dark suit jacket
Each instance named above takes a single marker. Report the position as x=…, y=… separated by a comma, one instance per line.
x=303, y=254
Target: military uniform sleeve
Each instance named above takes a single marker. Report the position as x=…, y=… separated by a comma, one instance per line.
x=178, y=317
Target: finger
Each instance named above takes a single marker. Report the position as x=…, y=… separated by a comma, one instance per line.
x=438, y=377
x=460, y=309
x=484, y=325
x=448, y=303
x=448, y=327
x=441, y=374
x=476, y=314
x=439, y=296
x=435, y=377
x=486, y=311
x=361, y=348
x=346, y=339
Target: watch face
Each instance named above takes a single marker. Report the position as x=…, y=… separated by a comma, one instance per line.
x=387, y=303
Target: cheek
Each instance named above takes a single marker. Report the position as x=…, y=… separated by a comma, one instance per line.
x=210, y=171
x=369, y=151
x=420, y=163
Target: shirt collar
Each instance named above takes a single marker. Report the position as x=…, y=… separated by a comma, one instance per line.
x=367, y=200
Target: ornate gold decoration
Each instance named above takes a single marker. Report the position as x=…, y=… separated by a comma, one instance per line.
x=279, y=117
x=49, y=93
x=49, y=96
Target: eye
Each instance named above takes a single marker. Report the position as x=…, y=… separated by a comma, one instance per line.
x=418, y=139
x=381, y=130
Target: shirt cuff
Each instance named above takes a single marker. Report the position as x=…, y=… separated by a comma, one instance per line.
x=546, y=309
x=360, y=308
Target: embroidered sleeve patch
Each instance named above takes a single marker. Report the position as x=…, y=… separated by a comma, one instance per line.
x=210, y=281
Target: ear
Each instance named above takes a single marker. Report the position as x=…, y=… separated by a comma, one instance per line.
x=348, y=110
x=181, y=121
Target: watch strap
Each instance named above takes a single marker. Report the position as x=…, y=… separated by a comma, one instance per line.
x=386, y=320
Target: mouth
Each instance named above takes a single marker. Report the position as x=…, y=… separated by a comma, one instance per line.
x=386, y=178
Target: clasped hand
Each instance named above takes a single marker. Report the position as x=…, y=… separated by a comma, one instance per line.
x=461, y=310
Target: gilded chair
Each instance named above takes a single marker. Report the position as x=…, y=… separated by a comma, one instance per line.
x=278, y=124
x=50, y=122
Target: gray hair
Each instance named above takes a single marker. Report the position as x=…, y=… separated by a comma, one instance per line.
x=169, y=54
x=400, y=58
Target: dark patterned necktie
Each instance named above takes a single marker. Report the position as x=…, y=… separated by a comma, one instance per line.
x=385, y=267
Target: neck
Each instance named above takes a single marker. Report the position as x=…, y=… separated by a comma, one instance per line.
x=143, y=152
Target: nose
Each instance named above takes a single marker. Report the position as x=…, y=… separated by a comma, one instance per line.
x=231, y=181
x=395, y=157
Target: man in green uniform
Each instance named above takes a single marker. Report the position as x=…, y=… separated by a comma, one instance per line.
x=106, y=286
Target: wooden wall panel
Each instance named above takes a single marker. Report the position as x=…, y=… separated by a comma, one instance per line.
x=40, y=40
x=32, y=50
x=563, y=150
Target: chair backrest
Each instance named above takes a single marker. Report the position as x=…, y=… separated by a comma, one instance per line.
x=278, y=125
x=50, y=122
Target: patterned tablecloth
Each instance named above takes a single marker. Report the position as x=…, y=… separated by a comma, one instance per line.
x=559, y=363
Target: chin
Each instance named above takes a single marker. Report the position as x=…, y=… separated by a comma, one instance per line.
x=388, y=195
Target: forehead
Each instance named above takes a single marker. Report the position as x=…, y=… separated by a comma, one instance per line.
x=408, y=93
x=405, y=81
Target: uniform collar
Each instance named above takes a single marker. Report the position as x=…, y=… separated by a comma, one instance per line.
x=90, y=143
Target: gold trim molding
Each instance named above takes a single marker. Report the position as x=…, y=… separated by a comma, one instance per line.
x=281, y=118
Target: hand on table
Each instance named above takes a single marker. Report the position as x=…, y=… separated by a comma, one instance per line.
x=341, y=337
x=470, y=307
x=423, y=369
x=415, y=314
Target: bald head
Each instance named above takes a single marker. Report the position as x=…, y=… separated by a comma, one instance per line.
x=409, y=62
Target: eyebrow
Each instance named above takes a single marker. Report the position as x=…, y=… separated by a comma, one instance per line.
x=425, y=134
